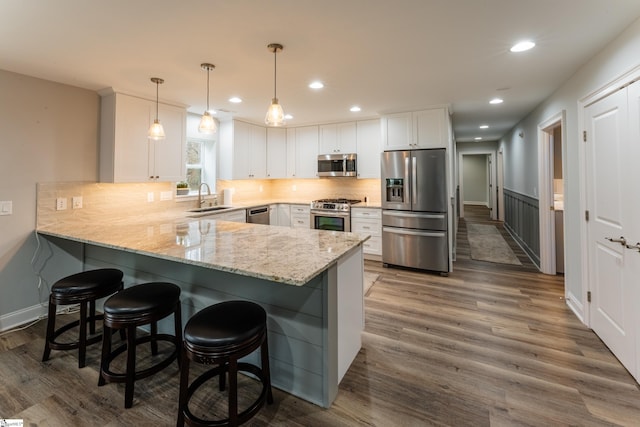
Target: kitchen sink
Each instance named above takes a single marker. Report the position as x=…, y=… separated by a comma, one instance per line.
x=209, y=209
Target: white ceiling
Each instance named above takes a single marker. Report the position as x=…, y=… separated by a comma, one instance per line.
x=384, y=55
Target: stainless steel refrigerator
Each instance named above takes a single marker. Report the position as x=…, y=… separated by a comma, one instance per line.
x=414, y=209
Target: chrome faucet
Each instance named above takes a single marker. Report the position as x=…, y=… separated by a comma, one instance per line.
x=200, y=195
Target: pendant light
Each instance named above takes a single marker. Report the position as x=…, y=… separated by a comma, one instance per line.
x=207, y=124
x=275, y=114
x=156, y=131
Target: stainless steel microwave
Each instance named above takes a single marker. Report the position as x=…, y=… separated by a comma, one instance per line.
x=337, y=165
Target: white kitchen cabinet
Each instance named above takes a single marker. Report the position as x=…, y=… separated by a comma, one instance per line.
x=302, y=152
x=369, y=147
x=242, y=150
x=234, y=216
x=280, y=214
x=368, y=221
x=417, y=129
x=300, y=216
x=337, y=138
x=126, y=153
x=276, y=153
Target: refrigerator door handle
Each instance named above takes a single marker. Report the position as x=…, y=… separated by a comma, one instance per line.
x=413, y=215
x=413, y=232
x=405, y=187
x=414, y=181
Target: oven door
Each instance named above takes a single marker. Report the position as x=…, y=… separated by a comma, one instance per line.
x=333, y=221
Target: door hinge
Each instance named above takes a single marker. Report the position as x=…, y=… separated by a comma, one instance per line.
x=584, y=135
x=588, y=296
x=586, y=215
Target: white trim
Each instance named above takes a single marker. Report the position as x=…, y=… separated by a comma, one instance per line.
x=545, y=186
x=20, y=317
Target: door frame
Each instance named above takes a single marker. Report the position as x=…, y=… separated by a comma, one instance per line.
x=500, y=184
x=578, y=303
x=546, y=218
x=490, y=179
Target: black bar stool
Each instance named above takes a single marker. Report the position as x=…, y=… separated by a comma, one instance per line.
x=81, y=288
x=132, y=307
x=221, y=334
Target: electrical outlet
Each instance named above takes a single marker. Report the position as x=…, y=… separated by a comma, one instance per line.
x=61, y=203
x=166, y=195
x=150, y=196
x=76, y=202
x=6, y=207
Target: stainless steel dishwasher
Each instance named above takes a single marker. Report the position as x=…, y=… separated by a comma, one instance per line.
x=258, y=215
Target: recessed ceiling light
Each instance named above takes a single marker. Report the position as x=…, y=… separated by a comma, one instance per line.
x=355, y=109
x=478, y=138
x=316, y=85
x=235, y=100
x=496, y=101
x=484, y=126
x=288, y=116
x=522, y=46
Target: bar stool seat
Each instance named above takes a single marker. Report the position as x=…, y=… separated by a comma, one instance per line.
x=135, y=306
x=220, y=335
x=82, y=288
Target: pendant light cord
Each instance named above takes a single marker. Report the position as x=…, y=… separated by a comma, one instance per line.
x=157, y=98
x=275, y=72
x=207, y=89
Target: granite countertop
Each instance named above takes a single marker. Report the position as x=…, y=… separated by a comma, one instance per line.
x=287, y=255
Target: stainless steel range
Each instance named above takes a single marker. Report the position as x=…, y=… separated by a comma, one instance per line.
x=332, y=214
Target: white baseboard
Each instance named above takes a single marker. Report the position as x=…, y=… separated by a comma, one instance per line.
x=20, y=317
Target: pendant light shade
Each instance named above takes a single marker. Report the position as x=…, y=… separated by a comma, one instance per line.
x=207, y=124
x=156, y=131
x=275, y=114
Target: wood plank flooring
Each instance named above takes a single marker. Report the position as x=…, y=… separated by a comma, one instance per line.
x=489, y=345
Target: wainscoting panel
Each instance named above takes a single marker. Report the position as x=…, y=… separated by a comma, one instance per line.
x=522, y=221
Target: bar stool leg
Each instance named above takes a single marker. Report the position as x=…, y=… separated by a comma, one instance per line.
x=92, y=318
x=233, y=392
x=154, y=343
x=264, y=353
x=51, y=327
x=82, y=339
x=131, y=367
x=184, y=386
x=106, y=350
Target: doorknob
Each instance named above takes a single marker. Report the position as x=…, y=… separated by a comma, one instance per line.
x=636, y=246
x=621, y=240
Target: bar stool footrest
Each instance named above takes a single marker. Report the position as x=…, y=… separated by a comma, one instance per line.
x=111, y=376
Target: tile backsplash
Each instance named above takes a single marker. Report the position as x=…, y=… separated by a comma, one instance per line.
x=106, y=202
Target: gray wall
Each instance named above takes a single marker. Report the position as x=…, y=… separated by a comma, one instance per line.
x=48, y=132
x=474, y=179
x=521, y=155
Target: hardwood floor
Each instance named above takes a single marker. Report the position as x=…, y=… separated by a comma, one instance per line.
x=488, y=345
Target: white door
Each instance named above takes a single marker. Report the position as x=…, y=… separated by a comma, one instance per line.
x=612, y=202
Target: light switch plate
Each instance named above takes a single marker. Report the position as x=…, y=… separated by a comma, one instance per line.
x=6, y=207
x=76, y=202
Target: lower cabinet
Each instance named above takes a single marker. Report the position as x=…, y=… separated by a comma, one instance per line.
x=233, y=216
x=368, y=221
x=280, y=214
x=300, y=216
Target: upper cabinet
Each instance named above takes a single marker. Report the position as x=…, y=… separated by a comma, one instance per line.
x=276, y=152
x=242, y=150
x=126, y=154
x=338, y=138
x=368, y=148
x=302, y=152
x=418, y=129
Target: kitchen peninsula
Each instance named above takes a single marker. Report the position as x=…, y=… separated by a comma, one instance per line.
x=308, y=281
